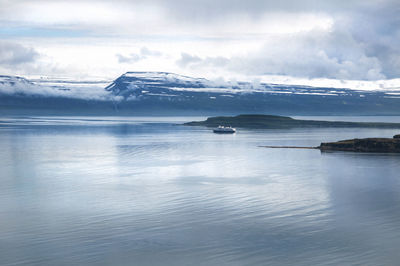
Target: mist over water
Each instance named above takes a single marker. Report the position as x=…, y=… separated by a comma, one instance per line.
x=148, y=191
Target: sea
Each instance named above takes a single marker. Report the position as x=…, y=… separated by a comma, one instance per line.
x=151, y=191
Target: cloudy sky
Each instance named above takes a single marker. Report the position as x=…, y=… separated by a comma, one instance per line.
x=236, y=39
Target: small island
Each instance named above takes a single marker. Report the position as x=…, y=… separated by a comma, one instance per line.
x=281, y=122
x=386, y=145
x=377, y=145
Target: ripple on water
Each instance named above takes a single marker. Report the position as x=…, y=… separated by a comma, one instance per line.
x=123, y=191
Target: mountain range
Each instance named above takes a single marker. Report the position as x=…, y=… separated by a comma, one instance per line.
x=163, y=93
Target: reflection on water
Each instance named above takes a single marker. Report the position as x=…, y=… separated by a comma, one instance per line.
x=102, y=191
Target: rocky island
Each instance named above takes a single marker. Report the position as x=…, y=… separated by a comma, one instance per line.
x=276, y=122
x=378, y=145
x=387, y=145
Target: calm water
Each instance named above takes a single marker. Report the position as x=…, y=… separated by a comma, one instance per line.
x=145, y=191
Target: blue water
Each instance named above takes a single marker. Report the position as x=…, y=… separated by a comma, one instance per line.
x=148, y=191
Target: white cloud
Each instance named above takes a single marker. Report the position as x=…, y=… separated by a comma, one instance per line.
x=143, y=54
x=325, y=39
x=313, y=54
x=14, y=54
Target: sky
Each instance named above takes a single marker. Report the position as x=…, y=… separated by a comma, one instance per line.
x=337, y=41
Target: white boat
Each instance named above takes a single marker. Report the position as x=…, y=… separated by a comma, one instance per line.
x=222, y=129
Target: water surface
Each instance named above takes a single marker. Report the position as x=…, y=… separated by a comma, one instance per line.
x=147, y=191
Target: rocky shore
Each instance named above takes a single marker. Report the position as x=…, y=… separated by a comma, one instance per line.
x=384, y=145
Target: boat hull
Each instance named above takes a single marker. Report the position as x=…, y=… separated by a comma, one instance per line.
x=223, y=132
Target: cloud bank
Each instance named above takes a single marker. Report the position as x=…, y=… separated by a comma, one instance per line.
x=311, y=55
x=343, y=40
x=16, y=86
x=14, y=54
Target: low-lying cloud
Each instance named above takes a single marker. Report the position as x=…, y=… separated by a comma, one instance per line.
x=15, y=86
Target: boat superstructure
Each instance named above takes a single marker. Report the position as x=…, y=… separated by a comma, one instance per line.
x=223, y=129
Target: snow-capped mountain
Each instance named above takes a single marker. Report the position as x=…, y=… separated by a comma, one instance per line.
x=12, y=80
x=135, y=84
x=168, y=93
x=163, y=84
x=13, y=85
x=161, y=90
